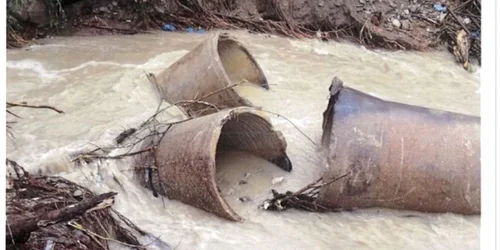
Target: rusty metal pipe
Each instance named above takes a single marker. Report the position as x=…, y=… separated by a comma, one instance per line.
x=399, y=156
x=217, y=63
x=186, y=155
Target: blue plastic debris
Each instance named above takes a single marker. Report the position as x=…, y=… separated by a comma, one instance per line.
x=439, y=7
x=99, y=179
x=475, y=34
x=195, y=30
x=168, y=27
x=171, y=27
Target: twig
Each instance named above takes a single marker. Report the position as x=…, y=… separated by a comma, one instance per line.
x=128, y=222
x=114, y=156
x=178, y=244
x=11, y=113
x=362, y=29
x=12, y=237
x=333, y=180
x=300, y=199
x=10, y=104
x=426, y=19
x=219, y=90
x=281, y=116
x=81, y=228
x=459, y=21
x=17, y=168
x=197, y=100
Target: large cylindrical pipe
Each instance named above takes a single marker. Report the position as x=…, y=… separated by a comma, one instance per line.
x=399, y=156
x=186, y=155
x=216, y=64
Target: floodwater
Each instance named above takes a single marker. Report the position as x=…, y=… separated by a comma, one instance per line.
x=100, y=84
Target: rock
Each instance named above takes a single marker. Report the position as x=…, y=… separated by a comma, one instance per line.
x=244, y=199
x=77, y=193
x=277, y=180
x=37, y=13
x=322, y=52
x=18, y=10
x=321, y=3
x=392, y=4
x=115, y=3
x=62, y=186
x=10, y=184
x=362, y=1
x=442, y=15
x=467, y=20
x=413, y=8
x=396, y=23
x=104, y=9
x=405, y=24
x=406, y=12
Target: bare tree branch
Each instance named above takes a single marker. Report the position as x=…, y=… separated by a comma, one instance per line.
x=11, y=104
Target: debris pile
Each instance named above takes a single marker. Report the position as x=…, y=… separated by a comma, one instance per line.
x=461, y=29
x=49, y=212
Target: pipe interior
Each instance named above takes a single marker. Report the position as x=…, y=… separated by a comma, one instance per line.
x=243, y=170
x=239, y=64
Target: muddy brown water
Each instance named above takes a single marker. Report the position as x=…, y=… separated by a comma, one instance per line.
x=99, y=82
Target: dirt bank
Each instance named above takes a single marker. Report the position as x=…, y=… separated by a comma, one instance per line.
x=391, y=24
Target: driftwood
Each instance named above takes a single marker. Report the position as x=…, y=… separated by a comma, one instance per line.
x=20, y=229
x=38, y=207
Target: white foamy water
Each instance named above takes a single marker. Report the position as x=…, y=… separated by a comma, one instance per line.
x=100, y=83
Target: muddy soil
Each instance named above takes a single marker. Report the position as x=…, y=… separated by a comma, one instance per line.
x=393, y=24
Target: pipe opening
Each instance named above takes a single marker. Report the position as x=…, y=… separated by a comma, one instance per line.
x=238, y=64
x=246, y=161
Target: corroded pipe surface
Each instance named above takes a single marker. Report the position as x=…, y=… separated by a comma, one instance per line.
x=399, y=156
x=218, y=63
x=186, y=155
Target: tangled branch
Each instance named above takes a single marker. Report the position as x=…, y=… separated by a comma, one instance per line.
x=303, y=199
